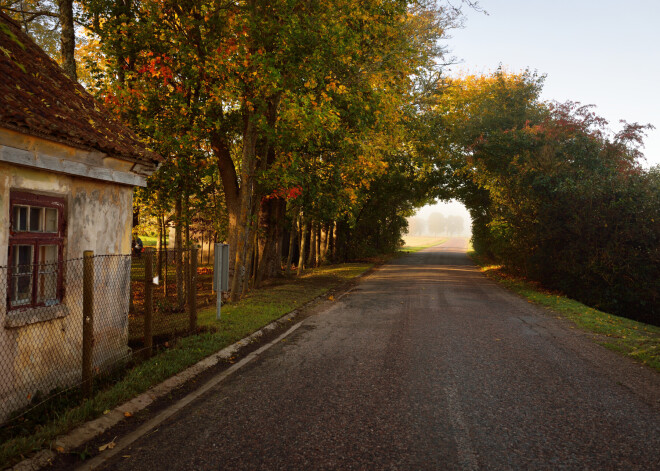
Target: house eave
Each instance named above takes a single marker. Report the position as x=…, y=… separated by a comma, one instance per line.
x=35, y=159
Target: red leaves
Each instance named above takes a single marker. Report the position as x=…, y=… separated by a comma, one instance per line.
x=286, y=193
x=158, y=67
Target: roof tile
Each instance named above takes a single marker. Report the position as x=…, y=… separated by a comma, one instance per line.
x=38, y=98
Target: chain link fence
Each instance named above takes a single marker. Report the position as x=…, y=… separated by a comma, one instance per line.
x=43, y=340
x=172, y=295
x=70, y=322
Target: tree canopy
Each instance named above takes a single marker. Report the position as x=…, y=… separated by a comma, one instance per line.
x=308, y=131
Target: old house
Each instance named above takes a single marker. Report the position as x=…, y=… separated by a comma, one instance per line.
x=67, y=173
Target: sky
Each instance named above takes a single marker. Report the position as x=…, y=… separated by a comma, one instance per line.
x=601, y=52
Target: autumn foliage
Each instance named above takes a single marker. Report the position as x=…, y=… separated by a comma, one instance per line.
x=554, y=195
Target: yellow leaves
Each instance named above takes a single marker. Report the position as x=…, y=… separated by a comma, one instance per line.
x=108, y=446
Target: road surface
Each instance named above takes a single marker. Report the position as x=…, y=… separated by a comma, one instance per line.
x=426, y=364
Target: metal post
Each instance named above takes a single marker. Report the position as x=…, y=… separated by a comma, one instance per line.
x=88, y=322
x=148, y=301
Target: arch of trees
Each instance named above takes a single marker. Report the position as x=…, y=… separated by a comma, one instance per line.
x=313, y=129
x=554, y=194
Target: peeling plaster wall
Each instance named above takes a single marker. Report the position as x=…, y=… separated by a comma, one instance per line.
x=48, y=352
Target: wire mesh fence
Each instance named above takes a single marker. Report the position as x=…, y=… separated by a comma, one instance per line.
x=172, y=287
x=43, y=340
x=70, y=322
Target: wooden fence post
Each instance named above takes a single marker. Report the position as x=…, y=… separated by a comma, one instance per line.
x=148, y=301
x=88, y=322
x=192, y=290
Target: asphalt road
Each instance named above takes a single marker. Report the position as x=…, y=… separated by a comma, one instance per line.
x=426, y=364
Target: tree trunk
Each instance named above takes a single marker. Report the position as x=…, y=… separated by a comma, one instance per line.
x=331, y=242
x=303, y=244
x=229, y=178
x=178, y=253
x=325, y=244
x=255, y=260
x=244, y=226
x=249, y=262
x=292, y=239
x=270, y=225
x=280, y=218
x=318, y=245
x=311, y=259
x=67, y=38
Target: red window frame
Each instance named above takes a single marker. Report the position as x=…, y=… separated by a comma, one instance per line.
x=36, y=239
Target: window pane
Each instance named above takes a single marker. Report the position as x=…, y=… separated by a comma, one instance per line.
x=20, y=218
x=47, y=254
x=23, y=258
x=51, y=220
x=47, y=281
x=36, y=219
x=21, y=279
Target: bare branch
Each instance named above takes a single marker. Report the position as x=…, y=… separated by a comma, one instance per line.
x=30, y=15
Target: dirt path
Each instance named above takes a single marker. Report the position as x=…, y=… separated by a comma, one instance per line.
x=426, y=364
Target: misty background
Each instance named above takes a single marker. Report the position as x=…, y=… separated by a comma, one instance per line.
x=441, y=219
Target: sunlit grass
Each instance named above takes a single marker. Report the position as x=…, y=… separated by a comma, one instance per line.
x=417, y=243
x=631, y=338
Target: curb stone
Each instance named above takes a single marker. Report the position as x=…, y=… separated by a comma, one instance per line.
x=90, y=430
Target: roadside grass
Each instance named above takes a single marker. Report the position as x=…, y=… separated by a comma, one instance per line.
x=415, y=244
x=258, y=309
x=631, y=338
x=149, y=241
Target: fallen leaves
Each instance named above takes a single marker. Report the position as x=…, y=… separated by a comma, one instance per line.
x=108, y=446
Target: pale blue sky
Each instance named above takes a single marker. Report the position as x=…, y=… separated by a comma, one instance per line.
x=601, y=52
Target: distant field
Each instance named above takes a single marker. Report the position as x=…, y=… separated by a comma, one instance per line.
x=149, y=241
x=415, y=243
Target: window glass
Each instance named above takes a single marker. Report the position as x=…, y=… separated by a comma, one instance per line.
x=20, y=218
x=51, y=220
x=47, y=280
x=21, y=289
x=35, y=245
x=36, y=219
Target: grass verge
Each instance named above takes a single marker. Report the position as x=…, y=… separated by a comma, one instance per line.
x=631, y=338
x=239, y=320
